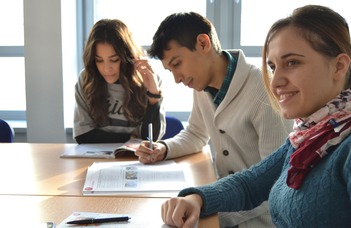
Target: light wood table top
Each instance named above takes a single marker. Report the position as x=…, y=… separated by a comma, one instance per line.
x=37, y=169
x=39, y=186
x=29, y=211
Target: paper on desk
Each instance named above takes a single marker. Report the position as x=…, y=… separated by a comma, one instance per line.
x=134, y=222
x=94, y=150
x=110, y=178
x=103, y=150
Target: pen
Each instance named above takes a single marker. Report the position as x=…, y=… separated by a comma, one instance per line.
x=99, y=220
x=98, y=152
x=150, y=135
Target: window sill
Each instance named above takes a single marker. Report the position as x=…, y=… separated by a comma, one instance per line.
x=20, y=126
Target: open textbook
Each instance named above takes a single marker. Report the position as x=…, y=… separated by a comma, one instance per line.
x=103, y=150
x=111, y=178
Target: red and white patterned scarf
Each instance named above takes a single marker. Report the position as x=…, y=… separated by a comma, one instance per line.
x=314, y=135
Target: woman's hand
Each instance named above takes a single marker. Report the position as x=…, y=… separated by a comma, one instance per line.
x=182, y=212
x=146, y=155
x=143, y=67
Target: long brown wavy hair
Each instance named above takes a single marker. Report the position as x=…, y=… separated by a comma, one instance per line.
x=116, y=33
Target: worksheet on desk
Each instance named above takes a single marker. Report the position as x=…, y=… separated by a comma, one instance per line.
x=110, y=178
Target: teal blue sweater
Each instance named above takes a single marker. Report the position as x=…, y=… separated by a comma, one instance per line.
x=323, y=200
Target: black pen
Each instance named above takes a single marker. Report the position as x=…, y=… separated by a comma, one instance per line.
x=99, y=220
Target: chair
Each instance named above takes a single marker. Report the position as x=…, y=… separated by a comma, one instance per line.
x=6, y=132
x=173, y=127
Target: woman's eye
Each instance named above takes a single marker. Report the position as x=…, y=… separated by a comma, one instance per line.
x=292, y=63
x=272, y=68
x=98, y=60
x=114, y=60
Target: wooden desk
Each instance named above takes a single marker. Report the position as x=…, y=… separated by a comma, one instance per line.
x=38, y=185
x=29, y=211
x=37, y=169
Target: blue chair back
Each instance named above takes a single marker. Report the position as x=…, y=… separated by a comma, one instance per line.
x=173, y=127
x=6, y=132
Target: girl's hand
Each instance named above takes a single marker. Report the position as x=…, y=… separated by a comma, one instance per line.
x=143, y=67
x=182, y=212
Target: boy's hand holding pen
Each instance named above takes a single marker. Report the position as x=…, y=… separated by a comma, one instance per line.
x=149, y=151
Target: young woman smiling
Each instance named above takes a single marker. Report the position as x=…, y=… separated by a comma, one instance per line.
x=307, y=181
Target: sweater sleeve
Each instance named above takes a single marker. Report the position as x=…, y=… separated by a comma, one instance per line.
x=243, y=190
x=346, y=169
x=193, y=138
x=153, y=116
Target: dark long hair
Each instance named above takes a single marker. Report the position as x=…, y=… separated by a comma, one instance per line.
x=116, y=33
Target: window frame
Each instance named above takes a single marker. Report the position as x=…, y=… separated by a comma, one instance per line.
x=12, y=51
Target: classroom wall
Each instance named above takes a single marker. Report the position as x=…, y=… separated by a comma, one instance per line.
x=44, y=69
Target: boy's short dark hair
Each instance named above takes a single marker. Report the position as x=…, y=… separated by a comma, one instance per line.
x=183, y=28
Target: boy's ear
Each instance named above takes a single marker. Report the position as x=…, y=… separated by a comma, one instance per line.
x=203, y=41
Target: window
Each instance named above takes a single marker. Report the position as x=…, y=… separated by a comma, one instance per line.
x=256, y=17
x=12, y=83
x=254, y=28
